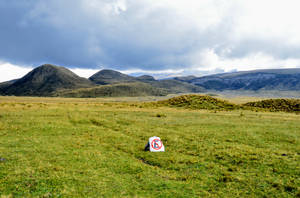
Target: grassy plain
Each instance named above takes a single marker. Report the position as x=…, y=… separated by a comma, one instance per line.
x=54, y=147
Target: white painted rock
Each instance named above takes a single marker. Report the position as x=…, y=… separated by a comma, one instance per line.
x=155, y=145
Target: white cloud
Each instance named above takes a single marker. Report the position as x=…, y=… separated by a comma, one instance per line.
x=268, y=19
x=86, y=73
x=157, y=74
x=9, y=71
x=202, y=14
x=208, y=60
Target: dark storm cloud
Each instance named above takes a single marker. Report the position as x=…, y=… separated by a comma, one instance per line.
x=62, y=32
x=27, y=39
x=68, y=33
x=124, y=34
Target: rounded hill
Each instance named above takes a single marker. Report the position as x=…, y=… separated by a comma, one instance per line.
x=194, y=101
x=107, y=76
x=44, y=80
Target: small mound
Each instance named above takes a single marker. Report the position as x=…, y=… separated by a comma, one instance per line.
x=287, y=105
x=199, y=102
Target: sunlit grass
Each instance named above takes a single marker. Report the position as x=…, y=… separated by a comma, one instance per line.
x=57, y=147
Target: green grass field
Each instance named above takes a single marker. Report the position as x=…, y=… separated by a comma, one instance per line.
x=53, y=147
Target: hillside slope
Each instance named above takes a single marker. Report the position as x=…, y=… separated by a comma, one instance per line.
x=4, y=85
x=114, y=90
x=44, y=80
x=175, y=86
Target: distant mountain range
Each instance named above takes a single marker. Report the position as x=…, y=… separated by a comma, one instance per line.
x=267, y=79
x=51, y=80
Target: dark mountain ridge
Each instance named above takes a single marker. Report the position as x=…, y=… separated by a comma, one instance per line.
x=267, y=79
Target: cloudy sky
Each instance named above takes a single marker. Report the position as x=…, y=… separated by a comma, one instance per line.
x=158, y=37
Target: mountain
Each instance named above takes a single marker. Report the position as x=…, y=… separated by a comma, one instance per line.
x=145, y=78
x=267, y=79
x=114, y=90
x=51, y=80
x=44, y=81
x=107, y=76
